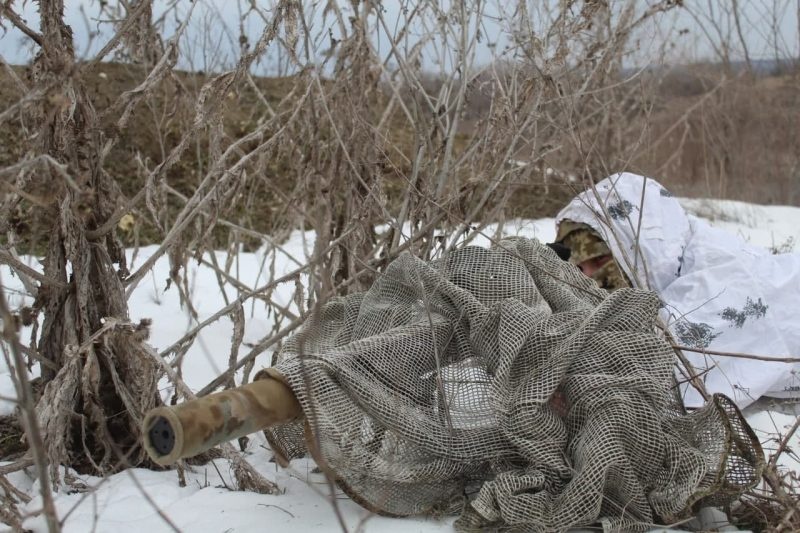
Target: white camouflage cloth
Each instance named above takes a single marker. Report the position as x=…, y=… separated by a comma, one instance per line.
x=719, y=292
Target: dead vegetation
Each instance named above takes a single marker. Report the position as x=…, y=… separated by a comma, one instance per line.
x=97, y=156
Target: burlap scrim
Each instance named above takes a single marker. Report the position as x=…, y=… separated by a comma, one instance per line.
x=505, y=385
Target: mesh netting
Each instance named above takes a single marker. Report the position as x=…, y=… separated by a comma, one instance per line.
x=503, y=384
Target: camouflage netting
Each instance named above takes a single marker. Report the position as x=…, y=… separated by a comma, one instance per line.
x=503, y=384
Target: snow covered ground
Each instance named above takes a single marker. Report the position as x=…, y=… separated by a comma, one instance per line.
x=142, y=500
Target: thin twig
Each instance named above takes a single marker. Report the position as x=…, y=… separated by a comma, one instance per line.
x=247, y=295
x=29, y=420
x=21, y=464
x=16, y=264
x=776, y=359
x=773, y=461
x=16, y=20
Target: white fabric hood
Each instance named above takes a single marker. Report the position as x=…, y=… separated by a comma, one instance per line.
x=719, y=292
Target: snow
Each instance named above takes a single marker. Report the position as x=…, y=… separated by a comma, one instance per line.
x=205, y=504
x=143, y=500
x=774, y=227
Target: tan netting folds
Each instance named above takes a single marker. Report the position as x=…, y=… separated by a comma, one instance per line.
x=502, y=383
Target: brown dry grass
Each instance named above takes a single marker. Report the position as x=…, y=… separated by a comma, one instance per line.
x=736, y=139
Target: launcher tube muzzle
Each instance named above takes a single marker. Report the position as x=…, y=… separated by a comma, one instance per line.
x=185, y=430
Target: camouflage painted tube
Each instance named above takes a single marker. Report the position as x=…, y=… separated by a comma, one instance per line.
x=185, y=430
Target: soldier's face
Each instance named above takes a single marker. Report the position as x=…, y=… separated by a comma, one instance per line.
x=590, y=266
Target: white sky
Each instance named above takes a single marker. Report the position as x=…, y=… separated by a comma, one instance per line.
x=211, y=41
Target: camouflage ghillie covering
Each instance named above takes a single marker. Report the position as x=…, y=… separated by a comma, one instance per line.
x=505, y=385
x=586, y=244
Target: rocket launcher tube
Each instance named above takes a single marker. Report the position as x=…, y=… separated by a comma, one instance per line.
x=185, y=430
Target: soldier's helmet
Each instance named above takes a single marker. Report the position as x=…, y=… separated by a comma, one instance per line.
x=586, y=246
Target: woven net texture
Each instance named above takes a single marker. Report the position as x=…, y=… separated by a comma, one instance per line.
x=503, y=384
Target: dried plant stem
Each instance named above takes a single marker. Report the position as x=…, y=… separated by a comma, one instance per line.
x=766, y=358
x=7, y=258
x=30, y=422
x=249, y=294
x=16, y=466
x=16, y=20
x=203, y=195
x=784, y=443
x=267, y=343
x=245, y=231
